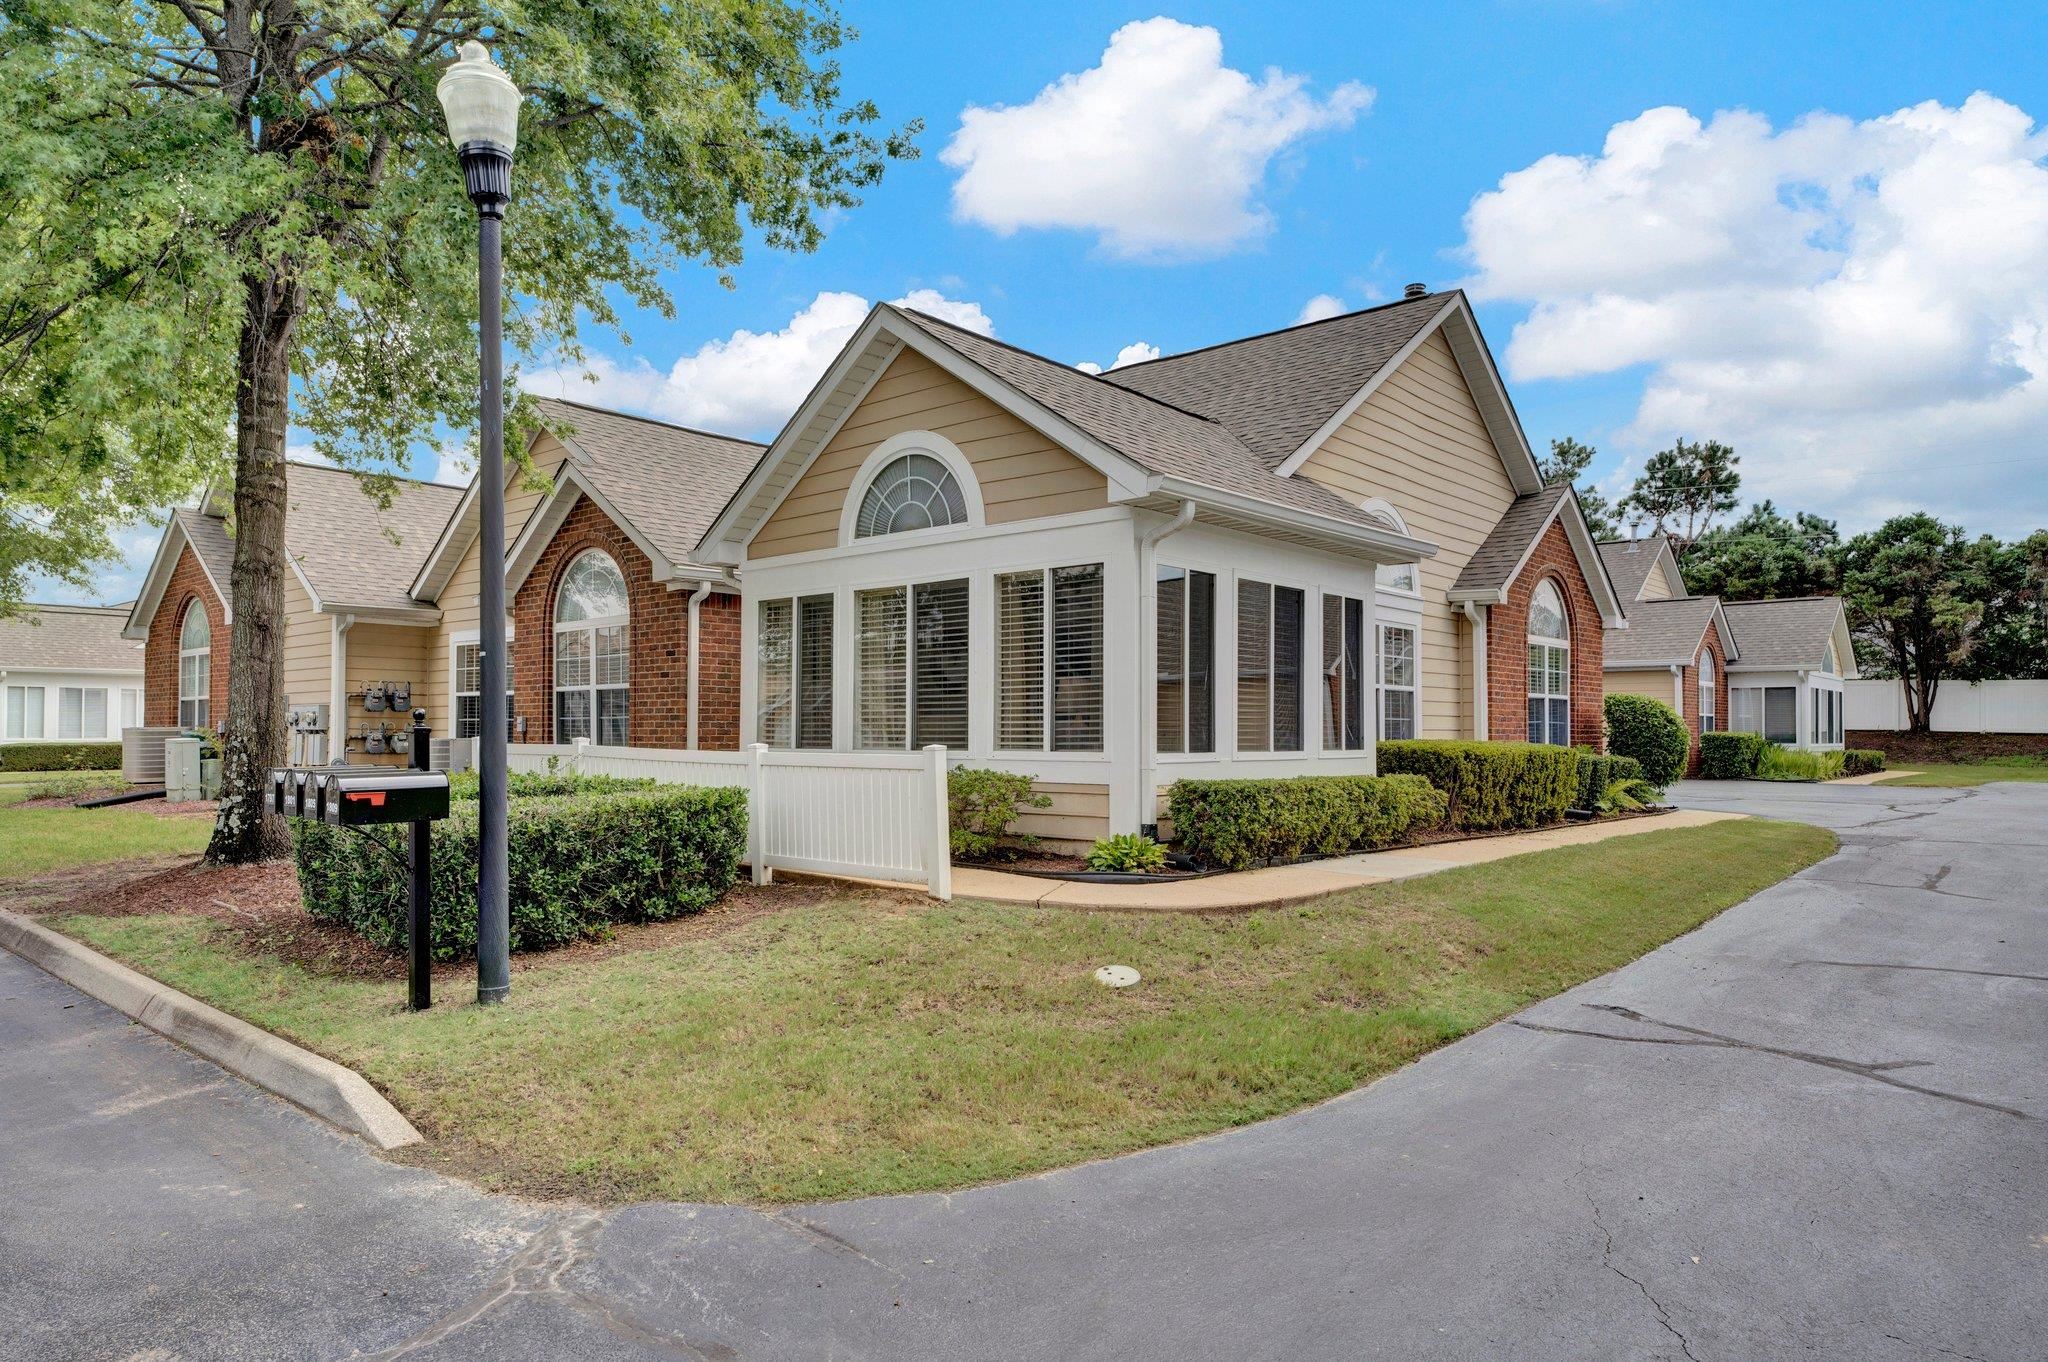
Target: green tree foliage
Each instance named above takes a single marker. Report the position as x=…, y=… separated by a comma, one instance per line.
x=1683, y=490
x=218, y=214
x=1764, y=556
x=1567, y=462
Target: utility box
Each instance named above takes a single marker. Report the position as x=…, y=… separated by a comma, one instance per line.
x=181, y=769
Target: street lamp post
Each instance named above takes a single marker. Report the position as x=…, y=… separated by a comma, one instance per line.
x=482, y=107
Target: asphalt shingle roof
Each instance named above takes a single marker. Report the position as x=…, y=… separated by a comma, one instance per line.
x=1783, y=633
x=1629, y=561
x=68, y=638
x=1493, y=563
x=1662, y=632
x=353, y=551
x=211, y=544
x=670, y=481
x=1276, y=390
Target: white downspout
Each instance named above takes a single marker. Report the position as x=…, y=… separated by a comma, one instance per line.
x=1678, y=689
x=1476, y=613
x=696, y=599
x=1148, y=685
x=337, y=691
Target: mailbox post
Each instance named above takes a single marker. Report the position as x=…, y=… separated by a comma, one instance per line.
x=364, y=796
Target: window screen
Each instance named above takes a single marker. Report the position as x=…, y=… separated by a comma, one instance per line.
x=775, y=702
x=1077, y=658
x=939, y=662
x=1781, y=713
x=1020, y=661
x=814, y=672
x=1344, y=682
x=1185, y=658
x=1270, y=638
x=883, y=718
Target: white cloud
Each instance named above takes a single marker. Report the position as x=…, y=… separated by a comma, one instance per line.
x=1137, y=352
x=749, y=382
x=1321, y=306
x=1861, y=308
x=1161, y=149
x=454, y=463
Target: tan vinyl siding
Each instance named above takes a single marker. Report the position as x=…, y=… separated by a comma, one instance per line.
x=308, y=647
x=1077, y=816
x=1657, y=586
x=1654, y=682
x=381, y=654
x=1420, y=443
x=1022, y=474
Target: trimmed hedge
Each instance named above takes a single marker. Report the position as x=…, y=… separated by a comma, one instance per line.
x=1730, y=756
x=1597, y=773
x=1491, y=784
x=1651, y=732
x=1862, y=761
x=579, y=865
x=1237, y=824
x=548, y=785
x=60, y=756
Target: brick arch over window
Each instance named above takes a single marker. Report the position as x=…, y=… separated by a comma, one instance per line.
x=186, y=590
x=658, y=637
x=1507, y=647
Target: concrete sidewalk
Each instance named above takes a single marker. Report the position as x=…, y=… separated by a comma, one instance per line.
x=1291, y=883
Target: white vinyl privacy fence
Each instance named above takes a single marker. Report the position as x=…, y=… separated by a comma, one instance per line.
x=1959, y=706
x=880, y=815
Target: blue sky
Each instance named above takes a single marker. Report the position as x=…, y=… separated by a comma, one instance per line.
x=1854, y=296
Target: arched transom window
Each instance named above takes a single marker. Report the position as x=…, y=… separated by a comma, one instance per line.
x=1550, y=668
x=195, y=666
x=1707, y=717
x=591, y=652
x=914, y=492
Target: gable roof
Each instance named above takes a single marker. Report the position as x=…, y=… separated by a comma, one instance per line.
x=1630, y=562
x=213, y=548
x=352, y=554
x=68, y=638
x=1499, y=559
x=1274, y=391
x=1665, y=633
x=1791, y=632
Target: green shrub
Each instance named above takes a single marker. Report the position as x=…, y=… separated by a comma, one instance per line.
x=1651, y=732
x=60, y=756
x=549, y=784
x=1786, y=763
x=1599, y=772
x=1237, y=824
x=1127, y=853
x=1862, y=761
x=1628, y=795
x=982, y=804
x=1491, y=784
x=578, y=866
x=72, y=785
x=1730, y=756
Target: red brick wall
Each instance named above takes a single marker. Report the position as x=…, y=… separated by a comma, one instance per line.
x=188, y=585
x=1507, y=647
x=1691, y=688
x=658, y=627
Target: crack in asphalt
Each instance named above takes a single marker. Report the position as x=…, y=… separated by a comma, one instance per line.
x=1932, y=969
x=1607, y=1261
x=1877, y=1072
x=539, y=1269
x=1945, y=1352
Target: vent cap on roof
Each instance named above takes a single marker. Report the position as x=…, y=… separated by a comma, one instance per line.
x=1415, y=291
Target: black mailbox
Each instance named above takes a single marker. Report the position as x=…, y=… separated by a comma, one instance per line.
x=353, y=797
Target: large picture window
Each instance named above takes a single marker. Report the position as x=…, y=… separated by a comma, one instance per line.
x=1344, y=679
x=1550, y=668
x=794, y=647
x=1185, y=658
x=1399, y=706
x=81, y=712
x=592, y=671
x=1049, y=660
x=913, y=665
x=1269, y=645
x=915, y=492
x=469, y=693
x=195, y=666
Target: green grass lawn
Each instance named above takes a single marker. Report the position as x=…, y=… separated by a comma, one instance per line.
x=849, y=1047
x=1951, y=775
x=38, y=841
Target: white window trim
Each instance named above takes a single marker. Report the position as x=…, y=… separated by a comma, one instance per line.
x=908, y=586
x=1380, y=687
x=1708, y=673
x=1149, y=650
x=205, y=672
x=38, y=713
x=1309, y=662
x=456, y=642
x=795, y=602
x=589, y=626
x=1534, y=639
x=886, y=453
x=1381, y=506
x=1046, y=660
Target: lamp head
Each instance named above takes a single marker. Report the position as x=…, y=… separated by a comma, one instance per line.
x=480, y=101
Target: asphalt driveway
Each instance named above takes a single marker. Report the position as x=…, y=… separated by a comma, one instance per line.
x=1812, y=1128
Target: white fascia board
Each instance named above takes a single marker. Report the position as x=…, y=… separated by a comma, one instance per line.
x=1644, y=664
x=1294, y=461
x=158, y=580
x=547, y=519
x=448, y=549
x=1510, y=441
x=1380, y=546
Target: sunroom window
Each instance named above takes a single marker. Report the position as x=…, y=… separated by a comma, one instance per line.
x=1049, y=660
x=912, y=651
x=794, y=643
x=1269, y=644
x=1185, y=644
x=1344, y=681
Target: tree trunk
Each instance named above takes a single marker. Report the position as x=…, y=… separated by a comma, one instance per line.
x=244, y=829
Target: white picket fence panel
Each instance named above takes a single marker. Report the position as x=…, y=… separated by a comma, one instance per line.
x=1959, y=706
x=879, y=815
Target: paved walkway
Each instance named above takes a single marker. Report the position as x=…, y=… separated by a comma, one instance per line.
x=1810, y=1129
x=1292, y=883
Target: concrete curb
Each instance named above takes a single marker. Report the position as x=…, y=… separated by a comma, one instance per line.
x=331, y=1092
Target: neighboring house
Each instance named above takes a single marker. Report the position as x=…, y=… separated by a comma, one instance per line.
x=381, y=604
x=1771, y=667
x=1248, y=560
x=67, y=675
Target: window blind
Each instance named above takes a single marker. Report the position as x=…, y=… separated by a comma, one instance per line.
x=939, y=660
x=1077, y=658
x=1354, y=668
x=1781, y=713
x=68, y=698
x=1020, y=661
x=883, y=651
x=1201, y=662
x=1289, y=626
x=814, y=672
x=1169, y=658
x=776, y=724
x=1254, y=666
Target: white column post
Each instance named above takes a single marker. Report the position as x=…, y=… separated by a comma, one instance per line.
x=938, y=847
x=337, y=690
x=757, y=807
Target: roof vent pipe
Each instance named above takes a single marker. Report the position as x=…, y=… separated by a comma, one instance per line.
x=1415, y=291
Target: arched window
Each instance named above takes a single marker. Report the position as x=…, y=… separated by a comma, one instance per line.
x=1550, y=668
x=1832, y=663
x=914, y=492
x=1707, y=688
x=590, y=652
x=195, y=666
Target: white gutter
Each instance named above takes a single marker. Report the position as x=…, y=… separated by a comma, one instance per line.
x=1385, y=546
x=1148, y=636
x=1476, y=613
x=337, y=691
x=696, y=599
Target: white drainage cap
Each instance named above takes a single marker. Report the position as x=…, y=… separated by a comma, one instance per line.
x=1116, y=976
